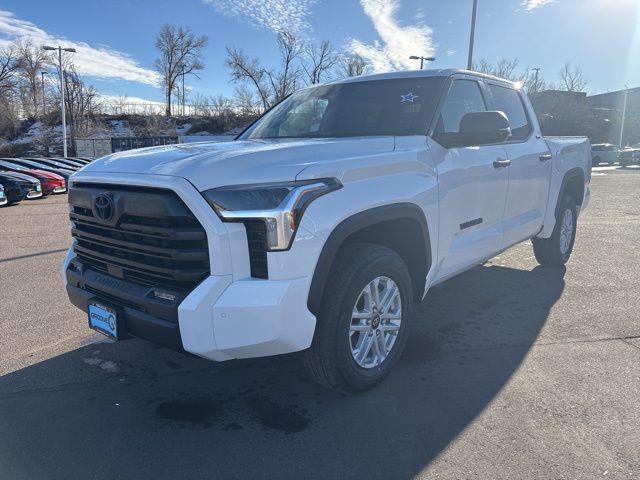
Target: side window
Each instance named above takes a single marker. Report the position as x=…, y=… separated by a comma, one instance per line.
x=464, y=97
x=508, y=100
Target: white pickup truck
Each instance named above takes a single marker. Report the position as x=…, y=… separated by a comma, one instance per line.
x=321, y=224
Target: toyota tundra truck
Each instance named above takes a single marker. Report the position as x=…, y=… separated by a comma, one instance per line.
x=318, y=228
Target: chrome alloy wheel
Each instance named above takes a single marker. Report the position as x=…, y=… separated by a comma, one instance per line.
x=566, y=231
x=375, y=322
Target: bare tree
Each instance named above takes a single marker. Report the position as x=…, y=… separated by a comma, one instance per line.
x=504, y=68
x=32, y=60
x=246, y=101
x=245, y=70
x=221, y=106
x=271, y=86
x=81, y=104
x=533, y=82
x=571, y=79
x=284, y=82
x=9, y=67
x=319, y=60
x=353, y=65
x=180, y=54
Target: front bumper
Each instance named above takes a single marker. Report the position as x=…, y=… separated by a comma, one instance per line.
x=219, y=320
x=227, y=315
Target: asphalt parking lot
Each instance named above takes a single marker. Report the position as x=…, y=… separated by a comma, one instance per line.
x=512, y=371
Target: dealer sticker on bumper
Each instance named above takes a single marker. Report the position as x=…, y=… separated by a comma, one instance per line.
x=103, y=319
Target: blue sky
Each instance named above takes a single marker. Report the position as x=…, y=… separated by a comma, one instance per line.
x=116, y=37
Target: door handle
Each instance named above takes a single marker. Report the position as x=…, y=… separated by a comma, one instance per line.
x=501, y=163
x=545, y=157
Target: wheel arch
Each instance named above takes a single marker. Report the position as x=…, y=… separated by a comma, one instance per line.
x=573, y=183
x=385, y=225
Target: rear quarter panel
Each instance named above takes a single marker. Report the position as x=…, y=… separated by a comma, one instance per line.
x=571, y=155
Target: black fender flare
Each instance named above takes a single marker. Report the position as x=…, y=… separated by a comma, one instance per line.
x=572, y=173
x=353, y=224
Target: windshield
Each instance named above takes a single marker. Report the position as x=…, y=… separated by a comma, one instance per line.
x=376, y=107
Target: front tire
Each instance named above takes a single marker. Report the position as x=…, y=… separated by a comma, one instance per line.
x=556, y=250
x=363, y=324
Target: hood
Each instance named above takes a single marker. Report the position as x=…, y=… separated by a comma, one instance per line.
x=19, y=177
x=210, y=164
x=43, y=174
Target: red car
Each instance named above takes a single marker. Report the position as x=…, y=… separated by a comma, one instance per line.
x=51, y=182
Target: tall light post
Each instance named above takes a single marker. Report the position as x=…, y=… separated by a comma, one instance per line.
x=44, y=100
x=472, y=35
x=624, y=113
x=62, y=106
x=537, y=70
x=422, y=59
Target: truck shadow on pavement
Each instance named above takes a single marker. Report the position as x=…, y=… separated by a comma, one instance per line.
x=132, y=410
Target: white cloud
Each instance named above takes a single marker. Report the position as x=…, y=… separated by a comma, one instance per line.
x=126, y=99
x=98, y=61
x=398, y=42
x=275, y=15
x=530, y=5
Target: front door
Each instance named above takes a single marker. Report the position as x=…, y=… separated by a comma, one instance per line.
x=473, y=185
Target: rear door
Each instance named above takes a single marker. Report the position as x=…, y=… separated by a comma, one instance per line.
x=530, y=168
x=472, y=186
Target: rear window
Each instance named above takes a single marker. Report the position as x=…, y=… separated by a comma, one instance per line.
x=508, y=100
x=377, y=107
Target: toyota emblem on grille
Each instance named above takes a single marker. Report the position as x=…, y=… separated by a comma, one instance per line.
x=103, y=207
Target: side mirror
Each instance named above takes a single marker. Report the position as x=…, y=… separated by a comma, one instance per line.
x=478, y=128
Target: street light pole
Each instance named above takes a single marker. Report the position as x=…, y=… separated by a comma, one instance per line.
x=624, y=113
x=62, y=104
x=44, y=105
x=183, y=90
x=422, y=59
x=472, y=35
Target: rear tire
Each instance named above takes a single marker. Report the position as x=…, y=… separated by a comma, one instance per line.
x=360, y=336
x=556, y=250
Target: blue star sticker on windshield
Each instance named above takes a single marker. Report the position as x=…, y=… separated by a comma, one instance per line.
x=409, y=97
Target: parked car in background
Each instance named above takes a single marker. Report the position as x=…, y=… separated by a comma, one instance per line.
x=51, y=182
x=3, y=197
x=629, y=156
x=79, y=160
x=63, y=172
x=604, y=153
x=83, y=159
x=19, y=187
x=72, y=162
x=50, y=162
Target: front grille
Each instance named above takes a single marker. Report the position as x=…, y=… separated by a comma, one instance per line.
x=257, y=240
x=152, y=239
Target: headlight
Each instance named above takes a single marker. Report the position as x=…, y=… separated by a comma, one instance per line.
x=279, y=205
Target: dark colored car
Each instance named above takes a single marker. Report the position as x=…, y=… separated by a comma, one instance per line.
x=629, y=156
x=18, y=186
x=63, y=172
x=72, y=162
x=82, y=161
x=3, y=196
x=50, y=162
x=51, y=182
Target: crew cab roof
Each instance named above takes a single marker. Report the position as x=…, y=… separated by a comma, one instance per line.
x=433, y=72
